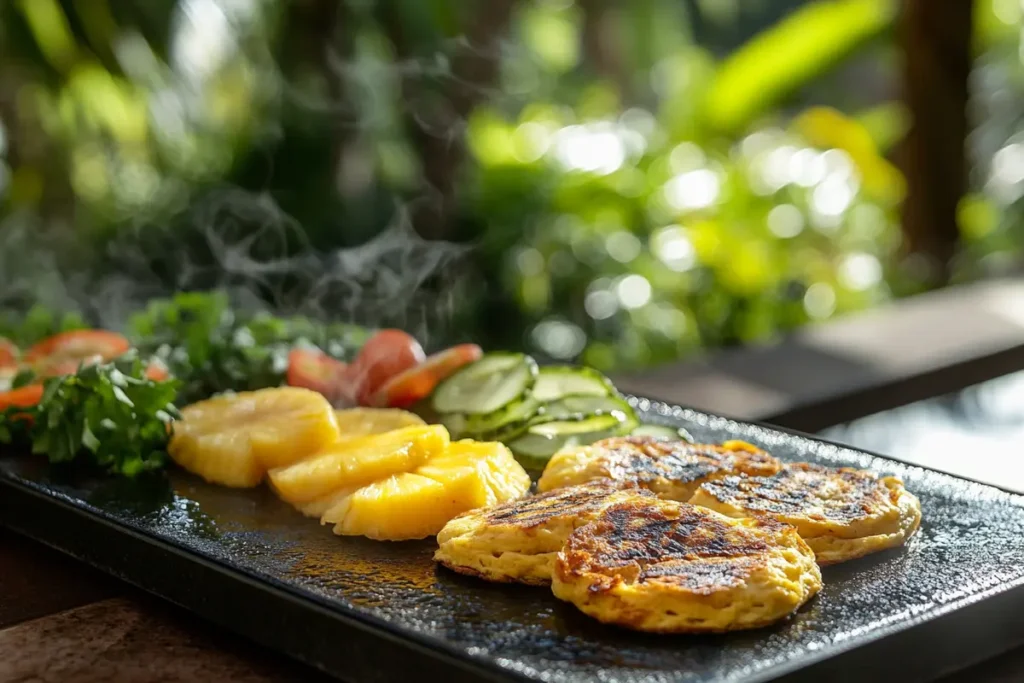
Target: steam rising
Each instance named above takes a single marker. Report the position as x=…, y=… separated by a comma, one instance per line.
x=243, y=243
x=259, y=255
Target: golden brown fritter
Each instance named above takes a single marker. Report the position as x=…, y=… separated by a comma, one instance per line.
x=664, y=566
x=671, y=469
x=517, y=541
x=842, y=513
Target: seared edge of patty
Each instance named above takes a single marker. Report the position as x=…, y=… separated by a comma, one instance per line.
x=663, y=566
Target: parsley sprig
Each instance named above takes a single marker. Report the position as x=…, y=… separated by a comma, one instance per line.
x=214, y=348
x=108, y=413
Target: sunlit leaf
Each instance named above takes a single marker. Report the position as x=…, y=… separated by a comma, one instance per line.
x=794, y=51
x=977, y=216
x=553, y=35
x=886, y=123
x=51, y=30
x=827, y=128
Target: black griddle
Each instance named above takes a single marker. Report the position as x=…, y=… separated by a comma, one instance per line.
x=368, y=611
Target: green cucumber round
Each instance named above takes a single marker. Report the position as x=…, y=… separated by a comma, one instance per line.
x=516, y=412
x=581, y=407
x=556, y=381
x=535, y=447
x=486, y=385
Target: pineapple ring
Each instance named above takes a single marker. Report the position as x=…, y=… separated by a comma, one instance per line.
x=412, y=505
x=234, y=439
x=357, y=462
x=356, y=422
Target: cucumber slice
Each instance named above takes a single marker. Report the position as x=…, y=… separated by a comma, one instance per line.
x=580, y=407
x=455, y=423
x=663, y=432
x=535, y=447
x=486, y=385
x=533, y=451
x=513, y=413
x=556, y=381
x=573, y=428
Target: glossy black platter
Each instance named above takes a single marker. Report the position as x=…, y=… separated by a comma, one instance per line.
x=368, y=611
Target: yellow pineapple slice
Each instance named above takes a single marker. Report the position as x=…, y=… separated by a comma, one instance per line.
x=401, y=507
x=318, y=506
x=480, y=473
x=505, y=475
x=233, y=440
x=219, y=458
x=357, y=422
x=358, y=462
x=418, y=504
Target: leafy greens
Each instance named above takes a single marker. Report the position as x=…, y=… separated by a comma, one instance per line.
x=213, y=348
x=109, y=413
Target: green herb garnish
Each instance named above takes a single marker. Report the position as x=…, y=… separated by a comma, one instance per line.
x=212, y=348
x=109, y=413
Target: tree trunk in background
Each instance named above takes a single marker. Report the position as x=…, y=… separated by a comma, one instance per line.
x=601, y=45
x=437, y=116
x=936, y=37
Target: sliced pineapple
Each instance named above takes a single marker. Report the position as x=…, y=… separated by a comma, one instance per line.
x=481, y=473
x=401, y=507
x=506, y=477
x=219, y=458
x=318, y=506
x=358, y=422
x=418, y=504
x=346, y=464
x=233, y=440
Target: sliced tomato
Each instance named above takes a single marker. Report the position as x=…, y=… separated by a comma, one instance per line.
x=418, y=382
x=157, y=371
x=314, y=369
x=385, y=355
x=56, y=367
x=63, y=353
x=22, y=397
x=9, y=353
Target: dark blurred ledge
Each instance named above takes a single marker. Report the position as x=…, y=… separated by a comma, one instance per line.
x=823, y=375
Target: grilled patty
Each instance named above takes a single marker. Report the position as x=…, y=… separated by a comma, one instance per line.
x=517, y=541
x=842, y=513
x=671, y=469
x=664, y=566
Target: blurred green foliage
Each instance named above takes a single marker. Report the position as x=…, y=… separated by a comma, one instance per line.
x=991, y=217
x=631, y=194
x=649, y=248
x=25, y=328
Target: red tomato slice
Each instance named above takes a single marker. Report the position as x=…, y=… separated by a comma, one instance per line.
x=56, y=367
x=8, y=353
x=22, y=397
x=387, y=354
x=62, y=353
x=157, y=371
x=314, y=369
x=418, y=382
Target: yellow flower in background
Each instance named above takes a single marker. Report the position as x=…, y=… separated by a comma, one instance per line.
x=827, y=128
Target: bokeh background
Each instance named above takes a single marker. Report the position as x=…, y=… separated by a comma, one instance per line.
x=619, y=183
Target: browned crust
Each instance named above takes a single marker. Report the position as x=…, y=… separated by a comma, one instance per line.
x=646, y=459
x=800, y=486
x=534, y=511
x=639, y=541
